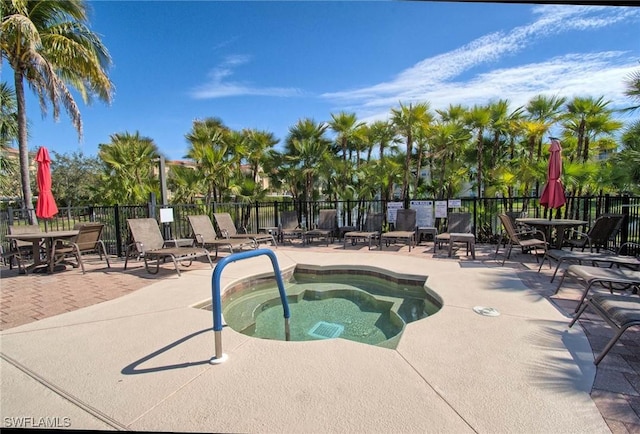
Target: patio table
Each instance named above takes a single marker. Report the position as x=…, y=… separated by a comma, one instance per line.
x=547, y=225
x=49, y=239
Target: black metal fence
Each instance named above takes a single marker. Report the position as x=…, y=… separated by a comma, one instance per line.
x=254, y=216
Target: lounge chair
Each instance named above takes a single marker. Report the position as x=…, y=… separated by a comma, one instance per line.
x=603, y=230
x=608, y=277
x=458, y=230
x=619, y=311
x=228, y=230
x=326, y=228
x=524, y=239
x=205, y=236
x=617, y=259
x=148, y=242
x=371, y=234
x=289, y=228
x=88, y=240
x=404, y=230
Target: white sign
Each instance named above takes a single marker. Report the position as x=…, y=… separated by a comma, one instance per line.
x=455, y=203
x=166, y=215
x=441, y=209
x=392, y=209
x=424, y=212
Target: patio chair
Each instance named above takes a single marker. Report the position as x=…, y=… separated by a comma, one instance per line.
x=205, y=235
x=604, y=229
x=289, y=228
x=326, y=228
x=459, y=229
x=373, y=230
x=148, y=242
x=405, y=229
x=520, y=227
x=228, y=230
x=88, y=240
x=619, y=311
x=20, y=250
x=524, y=239
x=617, y=259
x=588, y=276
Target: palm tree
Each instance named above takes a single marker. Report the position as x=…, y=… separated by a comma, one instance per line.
x=307, y=152
x=478, y=118
x=405, y=120
x=626, y=164
x=259, y=146
x=632, y=83
x=308, y=149
x=129, y=161
x=448, y=138
x=49, y=43
x=8, y=134
x=582, y=114
x=208, y=149
x=382, y=133
x=545, y=111
x=185, y=183
x=345, y=126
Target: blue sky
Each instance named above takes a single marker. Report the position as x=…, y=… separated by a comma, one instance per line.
x=266, y=64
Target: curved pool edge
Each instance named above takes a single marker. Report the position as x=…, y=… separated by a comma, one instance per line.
x=326, y=274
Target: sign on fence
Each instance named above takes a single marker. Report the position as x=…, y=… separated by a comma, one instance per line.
x=424, y=212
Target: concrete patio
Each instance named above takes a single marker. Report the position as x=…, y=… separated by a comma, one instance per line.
x=124, y=350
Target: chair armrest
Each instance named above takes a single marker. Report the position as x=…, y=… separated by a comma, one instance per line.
x=579, y=234
x=139, y=246
x=527, y=231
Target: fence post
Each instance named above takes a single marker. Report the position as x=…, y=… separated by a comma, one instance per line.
x=624, y=230
x=276, y=212
x=116, y=218
x=607, y=203
x=257, y=217
x=151, y=206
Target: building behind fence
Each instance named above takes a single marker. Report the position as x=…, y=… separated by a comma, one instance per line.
x=256, y=215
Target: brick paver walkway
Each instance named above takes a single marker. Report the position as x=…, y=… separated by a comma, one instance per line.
x=616, y=391
x=24, y=299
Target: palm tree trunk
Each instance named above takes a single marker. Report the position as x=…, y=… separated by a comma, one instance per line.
x=24, y=147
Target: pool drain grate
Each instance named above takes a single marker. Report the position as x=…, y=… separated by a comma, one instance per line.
x=486, y=311
x=326, y=330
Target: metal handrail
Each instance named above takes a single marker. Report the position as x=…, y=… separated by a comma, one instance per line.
x=217, y=302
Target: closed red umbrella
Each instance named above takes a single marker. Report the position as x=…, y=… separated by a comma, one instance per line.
x=46, y=206
x=553, y=192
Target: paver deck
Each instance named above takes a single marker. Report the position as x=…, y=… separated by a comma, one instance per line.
x=42, y=316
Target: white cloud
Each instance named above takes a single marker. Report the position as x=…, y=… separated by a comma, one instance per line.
x=434, y=79
x=219, y=86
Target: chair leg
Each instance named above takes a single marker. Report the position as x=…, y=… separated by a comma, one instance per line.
x=561, y=280
x=507, y=254
x=78, y=256
x=104, y=250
